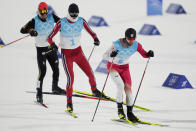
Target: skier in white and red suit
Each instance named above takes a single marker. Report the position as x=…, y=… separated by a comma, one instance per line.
x=70, y=33
x=119, y=53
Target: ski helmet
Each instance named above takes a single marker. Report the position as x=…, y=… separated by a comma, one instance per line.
x=73, y=10
x=43, y=8
x=130, y=33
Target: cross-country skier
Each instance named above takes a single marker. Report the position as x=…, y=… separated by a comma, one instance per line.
x=120, y=52
x=40, y=27
x=70, y=33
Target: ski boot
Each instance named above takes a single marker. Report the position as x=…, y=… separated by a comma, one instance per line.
x=130, y=114
x=69, y=107
x=121, y=113
x=58, y=90
x=39, y=95
x=99, y=94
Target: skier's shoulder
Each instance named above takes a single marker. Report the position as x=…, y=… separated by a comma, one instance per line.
x=139, y=45
x=117, y=42
x=81, y=18
x=30, y=24
x=55, y=17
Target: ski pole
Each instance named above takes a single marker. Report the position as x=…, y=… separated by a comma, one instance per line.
x=91, y=53
x=141, y=81
x=1, y=46
x=103, y=89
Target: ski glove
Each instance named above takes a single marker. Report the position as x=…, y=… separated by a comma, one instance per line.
x=150, y=53
x=33, y=32
x=53, y=47
x=114, y=53
x=96, y=42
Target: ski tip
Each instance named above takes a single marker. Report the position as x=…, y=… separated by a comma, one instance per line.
x=41, y=104
x=142, y=108
x=145, y=109
x=124, y=120
x=150, y=123
x=44, y=105
x=113, y=119
x=75, y=116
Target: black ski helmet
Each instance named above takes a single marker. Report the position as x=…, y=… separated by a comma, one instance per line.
x=130, y=33
x=73, y=8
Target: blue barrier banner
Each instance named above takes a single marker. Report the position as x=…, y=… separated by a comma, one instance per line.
x=176, y=81
x=149, y=30
x=175, y=9
x=97, y=21
x=102, y=67
x=1, y=42
x=154, y=7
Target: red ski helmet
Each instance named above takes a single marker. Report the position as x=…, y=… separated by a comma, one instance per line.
x=43, y=8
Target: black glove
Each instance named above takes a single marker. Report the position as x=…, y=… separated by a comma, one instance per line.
x=96, y=42
x=53, y=47
x=150, y=53
x=33, y=32
x=114, y=53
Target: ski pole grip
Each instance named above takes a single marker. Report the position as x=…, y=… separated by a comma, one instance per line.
x=45, y=53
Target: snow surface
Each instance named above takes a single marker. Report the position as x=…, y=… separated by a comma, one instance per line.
x=174, y=53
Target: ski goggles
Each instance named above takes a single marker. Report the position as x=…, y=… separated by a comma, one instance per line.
x=73, y=14
x=42, y=12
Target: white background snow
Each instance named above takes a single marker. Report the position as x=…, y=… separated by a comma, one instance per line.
x=175, y=52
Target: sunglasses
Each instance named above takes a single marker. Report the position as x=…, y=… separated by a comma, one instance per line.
x=43, y=12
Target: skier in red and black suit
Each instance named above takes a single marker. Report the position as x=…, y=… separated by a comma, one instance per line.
x=40, y=27
x=70, y=32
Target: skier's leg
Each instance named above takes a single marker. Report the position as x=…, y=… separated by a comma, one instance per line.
x=68, y=67
x=53, y=60
x=83, y=63
x=41, y=61
x=119, y=95
x=129, y=95
x=119, y=84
